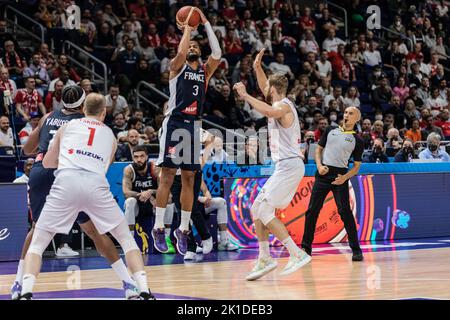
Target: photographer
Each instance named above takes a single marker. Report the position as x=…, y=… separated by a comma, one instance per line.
x=406, y=153
x=377, y=155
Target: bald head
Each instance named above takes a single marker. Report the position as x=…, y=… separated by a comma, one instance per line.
x=94, y=105
x=351, y=116
x=133, y=137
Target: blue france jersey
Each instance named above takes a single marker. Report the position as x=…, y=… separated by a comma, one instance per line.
x=53, y=122
x=187, y=93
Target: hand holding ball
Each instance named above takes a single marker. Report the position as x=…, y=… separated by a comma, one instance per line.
x=188, y=15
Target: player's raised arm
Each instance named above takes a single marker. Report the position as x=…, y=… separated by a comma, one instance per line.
x=260, y=75
x=276, y=111
x=52, y=155
x=33, y=140
x=177, y=63
x=216, y=53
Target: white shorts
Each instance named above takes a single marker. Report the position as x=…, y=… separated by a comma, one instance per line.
x=280, y=188
x=74, y=191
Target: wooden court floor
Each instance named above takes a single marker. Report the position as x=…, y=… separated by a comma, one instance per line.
x=404, y=274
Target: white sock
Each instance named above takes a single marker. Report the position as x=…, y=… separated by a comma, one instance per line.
x=185, y=218
x=122, y=272
x=264, y=249
x=159, y=218
x=19, y=273
x=28, y=283
x=167, y=231
x=141, y=281
x=291, y=246
x=223, y=235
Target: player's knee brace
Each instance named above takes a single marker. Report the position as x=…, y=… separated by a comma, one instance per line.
x=123, y=236
x=168, y=215
x=266, y=212
x=130, y=210
x=40, y=241
x=222, y=217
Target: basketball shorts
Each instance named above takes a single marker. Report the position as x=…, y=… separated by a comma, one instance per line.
x=74, y=191
x=179, y=145
x=280, y=188
x=40, y=183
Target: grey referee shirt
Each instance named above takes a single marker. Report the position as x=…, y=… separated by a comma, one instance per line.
x=339, y=146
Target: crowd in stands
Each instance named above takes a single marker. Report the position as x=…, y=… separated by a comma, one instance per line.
x=399, y=79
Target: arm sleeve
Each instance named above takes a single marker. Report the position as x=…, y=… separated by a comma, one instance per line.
x=216, y=52
x=323, y=138
x=359, y=149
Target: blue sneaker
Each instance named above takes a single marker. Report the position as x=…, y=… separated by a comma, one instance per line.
x=131, y=292
x=182, y=237
x=159, y=240
x=16, y=289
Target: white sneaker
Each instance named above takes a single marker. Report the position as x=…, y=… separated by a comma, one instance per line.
x=261, y=268
x=227, y=246
x=66, y=251
x=189, y=256
x=207, y=245
x=296, y=263
x=199, y=250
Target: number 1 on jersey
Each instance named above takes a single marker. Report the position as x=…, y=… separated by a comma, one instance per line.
x=91, y=136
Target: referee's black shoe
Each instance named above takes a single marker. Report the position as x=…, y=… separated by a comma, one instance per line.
x=357, y=256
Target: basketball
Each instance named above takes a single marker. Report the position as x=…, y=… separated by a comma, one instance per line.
x=183, y=14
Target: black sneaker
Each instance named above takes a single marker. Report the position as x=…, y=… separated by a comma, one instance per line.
x=147, y=296
x=357, y=256
x=26, y=296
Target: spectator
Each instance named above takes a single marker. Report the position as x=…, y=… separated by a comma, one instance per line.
x=64, y=78
x=325, y=23
x=86, y=85
x=221, y=106
x=332, y=42
x=323, y=65
x=12, y=60
x=233, y=46
x=424, y=91
x=430, y=128
x=171, y=53
x=264, y=42
x=377, y=155
x=124, y=151
x=119, y=124
x=372, y=56
x=127, y=31
x=239, y=117
x=153, y=37
x=435, y=103
x=324, y=89
x=127, y=61
x=382, y=95
x=406, y=153
x=6, y=134
x=401, y=90
x=271, y=20
x=48, y=61
x=152, y=134
x=433, y=151
x=53, y=100
x=418, y=102
x=28, y=164
x=140, y=10
x=366, y=134
x=133, y=124
x=351, y=98
x=171, y=39
x=393, y=139
x=336, y=95
x=63, y=65
x=110, y=17
x=415, y=133
x=279, y=66
x=377, y=130
x=218, y=80
x=147, y=53
x=39, y=73
x=410, y=112
x=218, y=154
x=5, y=34
x=24, y=134
x=115, y=103
x=415, y=76
x=28, y=101
x=309, y=44
x=322, y=125
x=6, y=84
x=444, y=123
x=104, y=43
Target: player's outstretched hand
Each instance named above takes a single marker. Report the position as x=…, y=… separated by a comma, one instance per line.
x=258, y=59
x=202, y=15
x=240, y=89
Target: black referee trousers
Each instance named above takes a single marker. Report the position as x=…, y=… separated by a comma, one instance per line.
x=322, y=186
x=196, y=215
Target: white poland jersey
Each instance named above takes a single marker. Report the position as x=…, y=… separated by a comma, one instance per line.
x=284, y=142
x=87, y=144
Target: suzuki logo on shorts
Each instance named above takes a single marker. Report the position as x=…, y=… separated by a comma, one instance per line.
x=4, y=234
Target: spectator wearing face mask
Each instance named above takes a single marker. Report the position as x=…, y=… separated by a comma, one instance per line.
x=406, y=153
x=433, y=151
x=304, y=147
x=377, y=155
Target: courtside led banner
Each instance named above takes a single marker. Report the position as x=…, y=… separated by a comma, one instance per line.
x=13, y=220
x=385, y=206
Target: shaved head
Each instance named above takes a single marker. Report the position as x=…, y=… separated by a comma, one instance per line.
x=351, y=116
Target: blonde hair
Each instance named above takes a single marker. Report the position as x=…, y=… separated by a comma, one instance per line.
x=94, y=104
x=279, y=82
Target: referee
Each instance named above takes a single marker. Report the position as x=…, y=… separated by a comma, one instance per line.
x=336, y=147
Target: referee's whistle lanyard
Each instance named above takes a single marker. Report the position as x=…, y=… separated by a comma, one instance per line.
x=347, y=131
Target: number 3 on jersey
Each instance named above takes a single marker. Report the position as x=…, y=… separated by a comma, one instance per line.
x=91, y=136
x=195, y=90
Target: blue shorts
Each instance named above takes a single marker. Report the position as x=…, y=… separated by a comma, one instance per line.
x=40, y=183
x=179, y=145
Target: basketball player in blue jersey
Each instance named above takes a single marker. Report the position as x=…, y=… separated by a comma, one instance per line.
x=41, y=180
x=187, y=84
